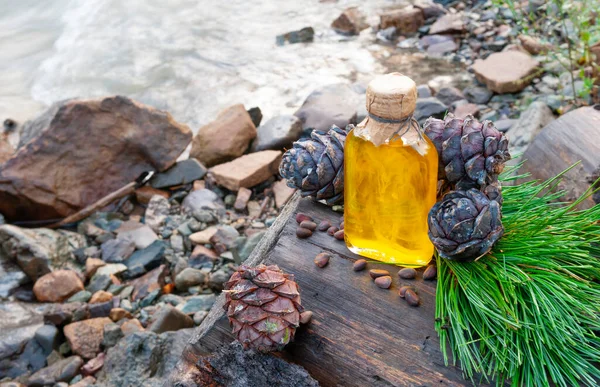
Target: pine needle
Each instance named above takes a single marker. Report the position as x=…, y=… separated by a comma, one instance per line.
x=528, y=313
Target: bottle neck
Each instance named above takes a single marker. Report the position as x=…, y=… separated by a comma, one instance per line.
x=380, y=130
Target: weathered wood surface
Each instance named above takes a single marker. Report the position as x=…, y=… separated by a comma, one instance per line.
x=571, y=138
x=360, y=335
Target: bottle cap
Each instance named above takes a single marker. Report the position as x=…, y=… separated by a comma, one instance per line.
x=391, y=97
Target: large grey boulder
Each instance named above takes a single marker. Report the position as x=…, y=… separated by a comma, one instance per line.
x=330, y=105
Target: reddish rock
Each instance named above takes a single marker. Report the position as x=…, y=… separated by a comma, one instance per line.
x=201, y=251
x=85, y=382
x=533, y=45
x=203, y=237
x=350, y=22
x=66, y=168
x=57, y=286
x=91, y=265
x=430, y=9
x=247, y=171
x=85, y=337
x=199, y=184
x=282, y=193
x=506, y=72
x=131, y=326
x=93, y=366
x=448, y=24
x=6, y=150
x=406, y=20
x=224, y=139
x=149, y=282
x=243, y=196
x=117, y=314
x=465, y=109
x=100, y=296
x=145, y=193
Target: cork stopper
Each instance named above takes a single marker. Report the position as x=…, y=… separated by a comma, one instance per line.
x=391, y=96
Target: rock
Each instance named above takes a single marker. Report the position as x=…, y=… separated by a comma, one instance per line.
x=304, y=35
x=57, y=286
x=117, y=250
x=571, y=138
x=429, y=107
x=282, y=193
x=505, y=125
x=40, y=251
x=255, y=115
x=233, y=366
x=61, y=314
x=430, y=9
x=145, y=193
x=184, y=172
x=477, y=95
x=350, y=22
x=506, y=72
x=202, y=199
x=92, y=265
x=29, y=191
x=85, y=382
x=448, y=24
x=423, y=91
x=6, y=150
x=330, y=105
x=101, y=309
x=531, y=122
x=533, y=45
x=203, y=237
x=144, y=260
x=217, y=279
x=140, y=234
x=387, y=35
x=157, y=211
x=168, y=318
x=143, y=359
x=448, y=95
x=61, y=371
x=250, y=244
x=465, y=109
x=202, y=257
x=439, y=49
x=100, y=296
x=224, y=139
x=111, y=335
x=94, y=365
x=149, y=282
x=82, y=296
x=117, y=314
x=132, y=326
x=47, y=337
x=247, y=171
x=277, y=133
x=85, y=337
x=406, y=20
x=243, y=196
x=199, y=317
x=197, y=303
x=189, y=277
x=11, y=276
x=111, y=269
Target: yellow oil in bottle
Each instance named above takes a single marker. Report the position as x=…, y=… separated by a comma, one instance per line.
x=388, y=191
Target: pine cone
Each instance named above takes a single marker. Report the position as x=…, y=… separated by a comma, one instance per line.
x=263, y=306
x=316, y=166
x=464, y=225
x=472, y=153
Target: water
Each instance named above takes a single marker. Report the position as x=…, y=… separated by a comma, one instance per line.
x=189, y=57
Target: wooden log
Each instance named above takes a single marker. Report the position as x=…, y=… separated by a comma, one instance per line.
x=360, y=335
x=574, y=137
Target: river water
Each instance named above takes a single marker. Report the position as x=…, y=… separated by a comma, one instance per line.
x=189, y=57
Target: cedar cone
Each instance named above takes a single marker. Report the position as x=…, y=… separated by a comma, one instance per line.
x=263, y=306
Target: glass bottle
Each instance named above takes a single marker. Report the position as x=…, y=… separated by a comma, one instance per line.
x=390, y=177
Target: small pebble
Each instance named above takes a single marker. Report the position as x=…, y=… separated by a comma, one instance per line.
x=332, y=230
x=322, y=259
x=324, y=225
x=430, y=273
x=411, y=297
x=407, y=273
x=383, y=282
x=305, y=317
x=359, y=265
x=403, y=290
x=303, y=232
x=339, y=235
x=312, y=226
x=300, y=217
x=374, y=273
x=342, y=225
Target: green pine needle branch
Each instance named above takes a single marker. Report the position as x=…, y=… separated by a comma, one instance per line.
x=528, y=313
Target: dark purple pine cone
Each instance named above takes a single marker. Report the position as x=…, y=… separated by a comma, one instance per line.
x=464, y=225
x=315, y=166
x=472, y=153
